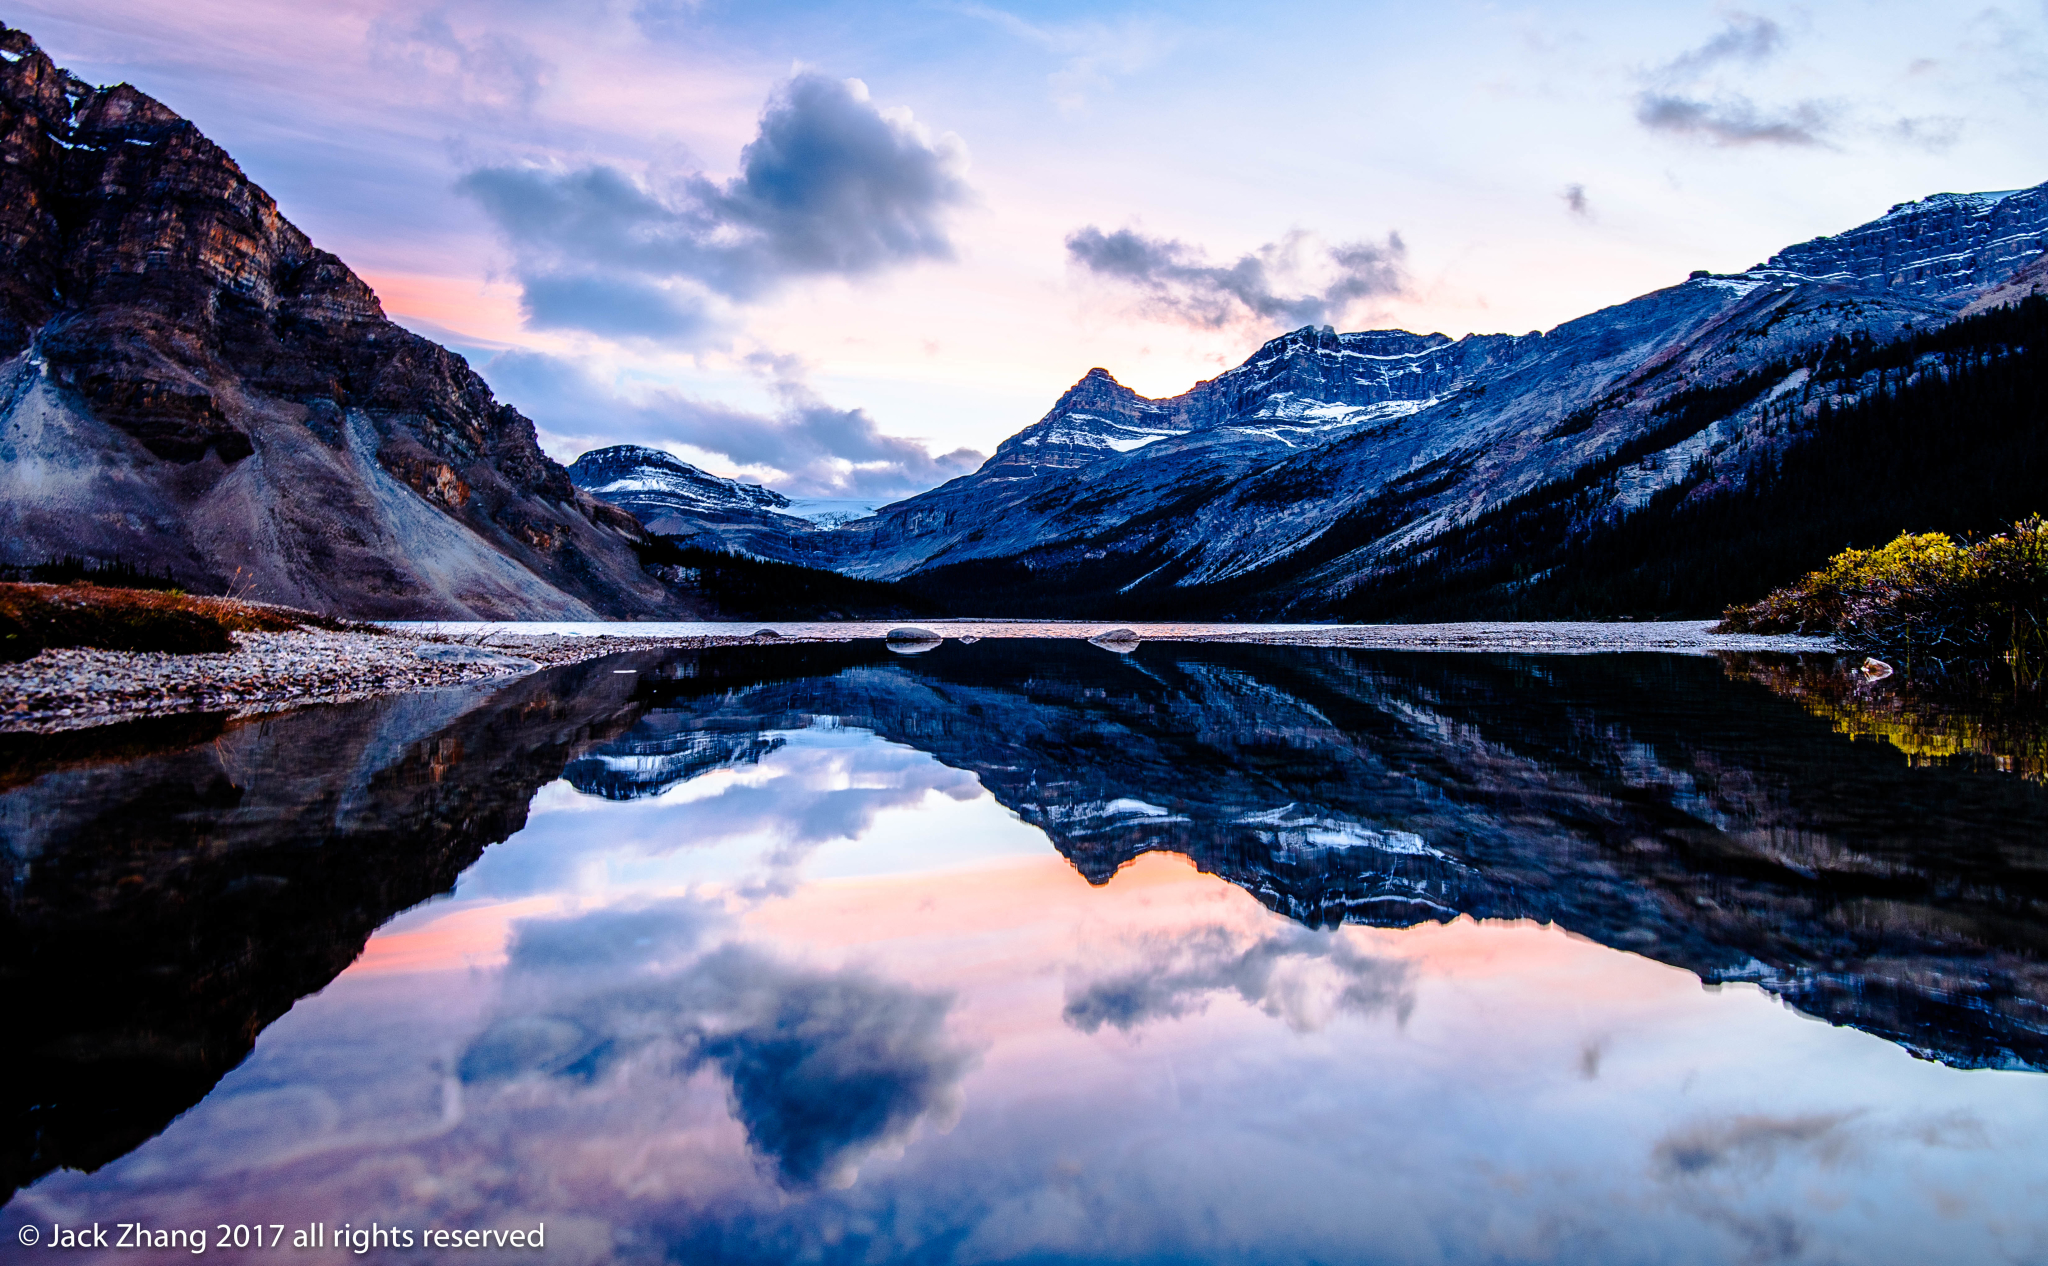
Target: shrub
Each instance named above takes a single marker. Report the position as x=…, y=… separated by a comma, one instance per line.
x=34, y=618
x=1820, y=603
x=1924, y=599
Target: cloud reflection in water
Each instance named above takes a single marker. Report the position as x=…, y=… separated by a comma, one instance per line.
x=822, y=1066
x=1298, y=975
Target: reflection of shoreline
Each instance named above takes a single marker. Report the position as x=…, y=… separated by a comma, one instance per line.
x=178, y=893
x=1931, y=724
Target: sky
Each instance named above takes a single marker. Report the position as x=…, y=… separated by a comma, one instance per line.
x=846, y=249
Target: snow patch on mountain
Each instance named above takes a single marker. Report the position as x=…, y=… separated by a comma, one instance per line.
x=1738, y=285
x=1088, y=430
x=831, y=512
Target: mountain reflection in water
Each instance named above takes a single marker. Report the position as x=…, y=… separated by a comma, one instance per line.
x=1642, y=801
x=171, y=900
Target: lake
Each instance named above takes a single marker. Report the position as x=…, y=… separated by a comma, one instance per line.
x=1028, y=951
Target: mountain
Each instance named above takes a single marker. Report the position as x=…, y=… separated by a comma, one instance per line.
x=1301, y=391
x=670, y=497
x=1947, y=432
x=190, y=386
x=1098, y=416
x=1298, y=483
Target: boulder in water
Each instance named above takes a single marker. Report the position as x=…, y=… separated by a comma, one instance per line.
x=453, y=653
x=911, y=641
x=1122, y=641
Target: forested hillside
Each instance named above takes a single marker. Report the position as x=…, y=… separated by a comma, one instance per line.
x=1955, y=439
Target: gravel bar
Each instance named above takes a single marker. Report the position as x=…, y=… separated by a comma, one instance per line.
x=73, y=689
x=1560, y=637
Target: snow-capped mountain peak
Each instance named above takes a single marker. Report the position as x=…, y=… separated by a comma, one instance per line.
x=673, y=498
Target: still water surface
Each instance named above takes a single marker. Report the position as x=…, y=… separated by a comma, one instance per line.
x=1028, y=951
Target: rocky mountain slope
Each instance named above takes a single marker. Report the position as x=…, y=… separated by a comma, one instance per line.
x=1300, y=479
x=189, y=385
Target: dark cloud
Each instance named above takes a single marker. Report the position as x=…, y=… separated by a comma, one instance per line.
x=1177, y=283
x=830, y=185
x=619, y=307
x=816, y=448
x=614, y=939
x=1732, y=119
x=1772, y=1236
x=1935, y=133
x=1746, y=38
x=1298, y=975
x=1686, y=96
x=1701, y=1159
x=1574, y=196
x=823, y=1067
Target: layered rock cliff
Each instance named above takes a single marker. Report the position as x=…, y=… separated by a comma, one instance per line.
x=1939, y=247
x=189, y=385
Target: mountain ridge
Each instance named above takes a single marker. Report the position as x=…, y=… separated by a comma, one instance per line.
x=1350, y=449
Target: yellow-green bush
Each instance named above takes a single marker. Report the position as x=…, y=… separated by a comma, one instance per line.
x=1924, y=599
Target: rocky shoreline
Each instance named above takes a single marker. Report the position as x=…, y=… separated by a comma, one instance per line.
x=73, y=689
x=1560, y=637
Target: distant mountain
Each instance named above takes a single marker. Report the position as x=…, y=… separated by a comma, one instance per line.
x=1097, y=417
x=1301, y=481
x=673, y=498
x=189, y=385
